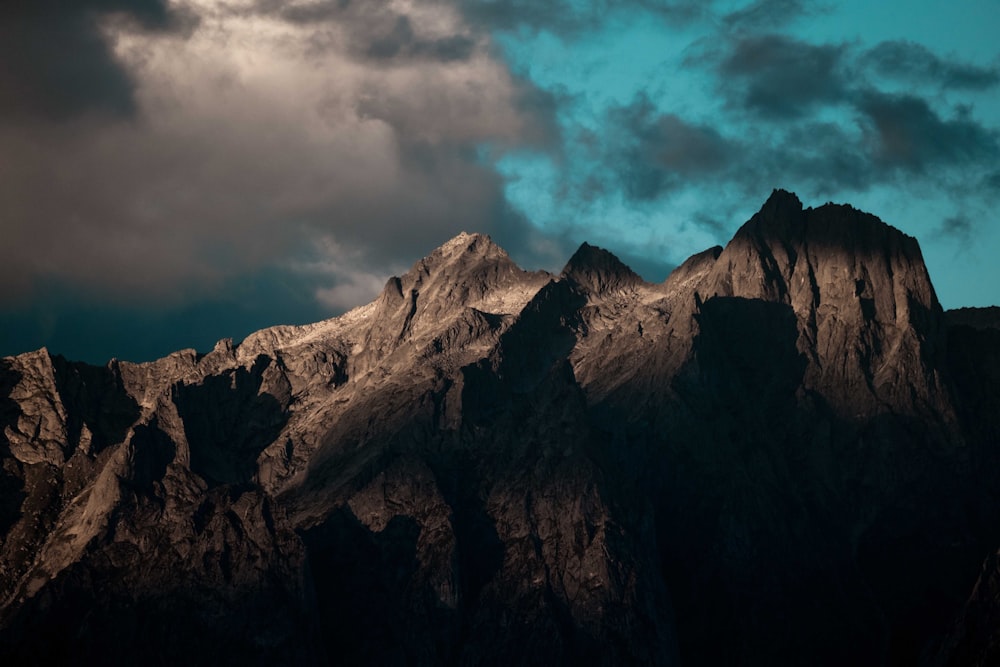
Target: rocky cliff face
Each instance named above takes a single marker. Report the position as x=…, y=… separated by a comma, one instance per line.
x=784, y=454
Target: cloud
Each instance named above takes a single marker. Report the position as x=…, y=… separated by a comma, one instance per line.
x=244, y=147
x=57, y=62
x=903, y=131
x=828, y=156
x=955, y=228
x=653, y=152
x=768, y=14
x=777, y=77
x=828, y=123
x=569, y=17
x=909, y=61
x=874, y=139
x=376, y=31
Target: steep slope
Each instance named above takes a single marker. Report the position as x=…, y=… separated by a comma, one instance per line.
x=781, y=455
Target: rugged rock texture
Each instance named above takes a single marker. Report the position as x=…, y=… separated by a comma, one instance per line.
x=784, y=454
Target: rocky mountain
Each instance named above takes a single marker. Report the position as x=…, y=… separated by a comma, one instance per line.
x=786, y=453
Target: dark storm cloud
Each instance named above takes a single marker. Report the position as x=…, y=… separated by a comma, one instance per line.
x=769, y=14
x=992, y=181
x=542, y=106
x=709, y=222
x=956, y=228
x=827, y=122
x=777, y=77
x=57, y=62
x=365, y=157
x=568, y=16
x=914, y=62
x=828, y=156
x=904, y=132
x=376, y=31
x=558, y=16
x=653, y=152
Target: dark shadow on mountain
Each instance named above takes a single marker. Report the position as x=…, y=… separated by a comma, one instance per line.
x=974, y=363
x=95, y=397
x=747, y=358
x=11, y=484
x=923, y=540
x=228, y=422
x=789, y=534
x=749, y=546
x=163, y=587
x=977, y=318
x=153, y=451
x=99, y=621
x=542, y=336
x=372, y=611
x=479, y=551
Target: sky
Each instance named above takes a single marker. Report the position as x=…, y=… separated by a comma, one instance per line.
x=173, y=172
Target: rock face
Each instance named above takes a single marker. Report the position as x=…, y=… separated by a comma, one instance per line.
x=784, y=454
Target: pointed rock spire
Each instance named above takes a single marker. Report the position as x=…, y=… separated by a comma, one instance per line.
x=462, y=251
x=599, y=271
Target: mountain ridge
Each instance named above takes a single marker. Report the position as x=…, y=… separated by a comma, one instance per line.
x=490, y=464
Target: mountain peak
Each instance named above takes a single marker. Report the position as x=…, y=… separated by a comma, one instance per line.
x=847, y=276
x=465, y=243
x=781, y=199
x=780, y=217
x=831, y=254
x=462, y=256
x=599, y=270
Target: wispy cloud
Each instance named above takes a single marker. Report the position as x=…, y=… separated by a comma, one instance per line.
x=912, y=62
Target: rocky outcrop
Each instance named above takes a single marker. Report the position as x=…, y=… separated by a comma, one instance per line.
x=780, y=455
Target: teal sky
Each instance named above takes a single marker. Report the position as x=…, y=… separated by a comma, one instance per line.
x=200, y=169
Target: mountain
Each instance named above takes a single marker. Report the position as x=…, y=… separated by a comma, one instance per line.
x=783, y=454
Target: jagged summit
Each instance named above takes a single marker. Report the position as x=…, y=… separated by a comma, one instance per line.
x=781, y=203
x=460, y=252
x=859, y=289
x=467, y=267
x=599, y=270
x=783, y=220
x=780, y=217
x=468, y=246
x=784, y=248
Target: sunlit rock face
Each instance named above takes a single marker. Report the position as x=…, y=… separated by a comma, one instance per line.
x=783, y=454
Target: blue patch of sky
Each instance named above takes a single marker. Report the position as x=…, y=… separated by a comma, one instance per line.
x=634, y=53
